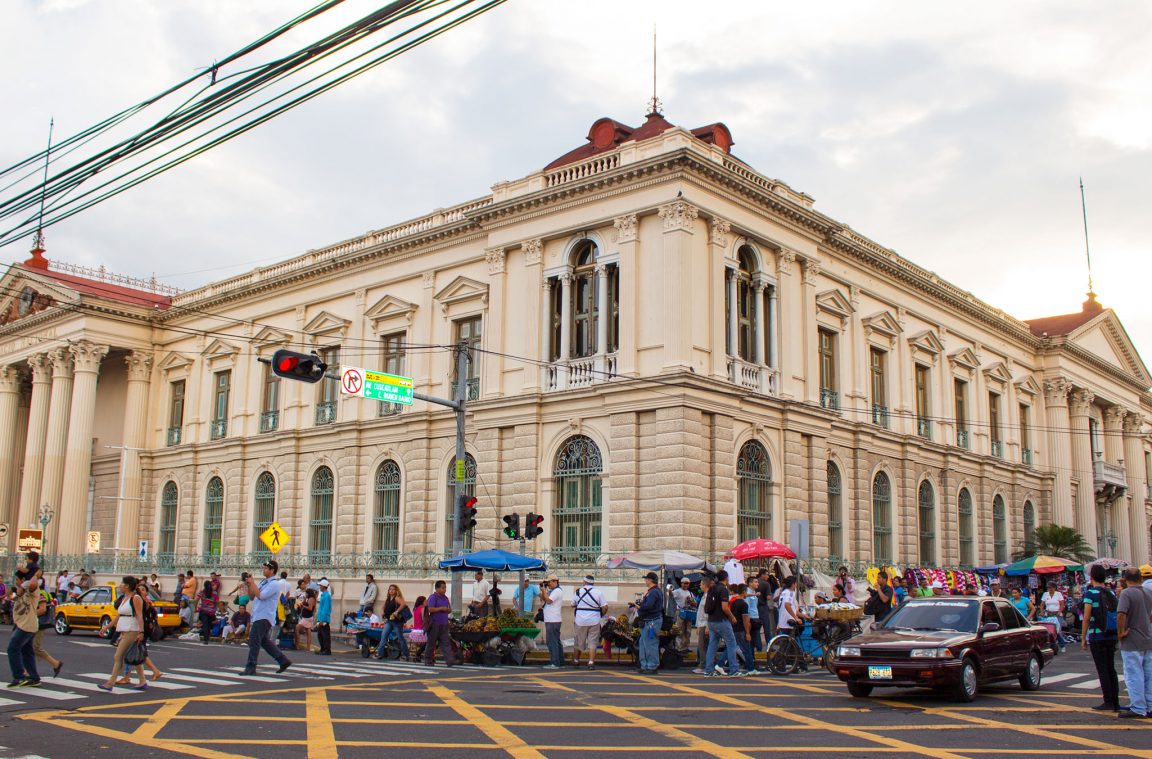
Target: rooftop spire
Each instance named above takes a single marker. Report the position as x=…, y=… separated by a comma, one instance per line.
x=655, y=107
x=38, y=240
x=1087, y=253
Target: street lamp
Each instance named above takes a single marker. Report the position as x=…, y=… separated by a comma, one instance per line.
x=46, y=514
x=1111, y=540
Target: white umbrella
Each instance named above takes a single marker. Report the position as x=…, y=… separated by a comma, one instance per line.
x=670, y=560
x=1106, y=563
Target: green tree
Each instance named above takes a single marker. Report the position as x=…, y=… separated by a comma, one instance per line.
x=1058, y=541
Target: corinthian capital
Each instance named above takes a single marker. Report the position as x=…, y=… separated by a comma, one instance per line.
x=1133, y=423
x=1080, y=401
x=784, y=260
x=41, y=366
x=811, y=271
x=139, y=366
x=625, y=228
x=533, y=251
x=678, y=215
x=10, y=377
x=494, y=257
x=1056, y=391
x=87, y=356
x=61, y=360
x=719, y=230
x=1114, y=417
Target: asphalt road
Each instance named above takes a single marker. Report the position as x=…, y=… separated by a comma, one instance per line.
x=348, y=707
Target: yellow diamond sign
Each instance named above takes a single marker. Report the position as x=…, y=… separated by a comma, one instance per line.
x=274, y=537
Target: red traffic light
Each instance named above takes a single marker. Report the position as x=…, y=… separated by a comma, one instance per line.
x=298, y=366
x=533, y=528
x=467, y=513
x=288, y=364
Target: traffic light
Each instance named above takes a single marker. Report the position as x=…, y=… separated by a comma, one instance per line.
x=532, y=525
x=512, y=526
x=306, y=367
x=467, y=513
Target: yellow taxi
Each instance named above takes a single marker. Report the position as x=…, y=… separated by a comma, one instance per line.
x=96, y=608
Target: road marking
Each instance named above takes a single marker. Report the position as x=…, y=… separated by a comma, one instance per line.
x=91, y=645
x=152, y=743
x=321, y=733
x=314, y=670
x=52, y=695
x=152, y=726
x=691, y=741
x=231, y=673
x=204, y=680
x=10, y=702
x=82, y=685
x=162, y=686
x=500, y=735
x=1092, y=684
x=1062, y=677
x=364, y=670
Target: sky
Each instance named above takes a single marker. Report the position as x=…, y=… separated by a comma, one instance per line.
x=954, y=134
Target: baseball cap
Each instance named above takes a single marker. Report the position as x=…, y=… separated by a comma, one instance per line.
x=324, y=583
x=937, y=584
x=271, y=564
x=652, y=576
x=995, y=581
x=589, y=579
x=553, y=577
x=685, y=579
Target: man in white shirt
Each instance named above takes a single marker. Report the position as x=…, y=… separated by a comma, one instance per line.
x=787, y=605
x=1053, y=605
x=685, y=611
x=590, y=606
x=480, y=591
x=553, y=598
x=63, y=583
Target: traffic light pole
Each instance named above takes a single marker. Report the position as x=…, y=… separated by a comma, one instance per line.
x=459, y=401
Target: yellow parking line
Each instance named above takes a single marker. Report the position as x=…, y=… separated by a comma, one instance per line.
x=321, y=735
x=191, y=750
x=691, y=741
x=500, y=735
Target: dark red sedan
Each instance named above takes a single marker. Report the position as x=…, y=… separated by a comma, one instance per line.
x=946, y=643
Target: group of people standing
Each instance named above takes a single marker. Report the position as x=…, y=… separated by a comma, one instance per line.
x=1123, y=621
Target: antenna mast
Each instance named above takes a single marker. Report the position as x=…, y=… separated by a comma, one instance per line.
x=654, y=104
x=38, y=240
x=1087, y=252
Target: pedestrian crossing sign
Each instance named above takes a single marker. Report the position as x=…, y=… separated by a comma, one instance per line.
x=274, y=537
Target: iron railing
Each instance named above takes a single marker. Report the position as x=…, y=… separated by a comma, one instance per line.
x=389, y=409
x=471, y=389
x=218, y=429
x=1026, y=456
x=924, y=427
x=962, y=438
x=880, y=415
x=269, y=421
x=998, y=448
x=173, y=437
x=829, y=399
x=326, y=412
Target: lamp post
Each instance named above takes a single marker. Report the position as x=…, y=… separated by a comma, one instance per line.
x=46, y=514
x=1111, y=540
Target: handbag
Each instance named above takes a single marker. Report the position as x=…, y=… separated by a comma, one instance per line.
x=136, y=653
x=539, y=615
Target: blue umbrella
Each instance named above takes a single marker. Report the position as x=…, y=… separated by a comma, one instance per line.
x=495, y=560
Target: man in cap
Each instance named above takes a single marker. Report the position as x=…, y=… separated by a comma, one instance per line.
x=323, y=622
x=553, y=608
x=265, y=598
x=651, y=614
x=685, y=611
x=590, y=607
x=938, y=588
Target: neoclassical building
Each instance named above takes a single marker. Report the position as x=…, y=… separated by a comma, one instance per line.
x=669, y=349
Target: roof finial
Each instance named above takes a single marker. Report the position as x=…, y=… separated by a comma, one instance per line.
x=654, y=105
x=38, y=240
x=1087, y=252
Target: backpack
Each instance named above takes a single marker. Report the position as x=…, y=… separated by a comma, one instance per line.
x=711, y=604
x=1104, y=613
x=45, y=619
x=151, y=620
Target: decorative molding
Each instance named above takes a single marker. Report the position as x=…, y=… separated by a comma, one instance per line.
x=533, y=251
x=61, y=360
x=327, y=324
x=926, y=341
x=1056, y=390
x=626, y=227
x=271, y=336
x=139, y=366
x=460, y=290
x=679, y=215
x=964, y=357
x=811, y=271
x=1114, y=417
x=1027, y=385
x=41, y=368
x=429, y=278
x=494, y=257
x=835, y=302
x=218, y=350
x=174, y=362
x=86, y=356
x=784, y=260
x=390, y=308
x=718, y=231
x=998, y=372
x=1133, y=424
x=884, y=323
x=1080, y=401
x=10, y=377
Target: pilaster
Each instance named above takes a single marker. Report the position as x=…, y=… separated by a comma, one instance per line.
x=135, y=428
x=679, y=227
x=791, y=306
x=628, y=242
x=809, y=340
x=1137, y=489
x=1079, y=407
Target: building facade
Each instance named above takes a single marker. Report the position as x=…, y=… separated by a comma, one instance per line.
x=668, y=350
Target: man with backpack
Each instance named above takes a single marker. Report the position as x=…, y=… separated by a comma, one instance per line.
x=1099, y=636
x=590, y=607
x=1134, y=629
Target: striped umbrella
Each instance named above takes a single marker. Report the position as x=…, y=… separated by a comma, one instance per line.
x=1041, y=565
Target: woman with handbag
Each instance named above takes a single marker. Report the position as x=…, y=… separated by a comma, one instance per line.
x=130, y=626
x=396, y=613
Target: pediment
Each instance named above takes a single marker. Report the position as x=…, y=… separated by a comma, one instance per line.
x=1106, y=338
x=28, y=295
x=390, y=307
x=964, y=357
x=998, y=372
x=835, y=302
x=174, y=361
x=884, y=323
x=326, y=323
x=928, y=342
x=462, y=289
x=1027, y=385
x=271, y=336
x=218, y=349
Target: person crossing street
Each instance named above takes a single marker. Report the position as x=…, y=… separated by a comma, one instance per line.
x=651, y=613
x=265, y=598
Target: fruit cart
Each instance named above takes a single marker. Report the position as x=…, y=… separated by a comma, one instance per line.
x=490, y=641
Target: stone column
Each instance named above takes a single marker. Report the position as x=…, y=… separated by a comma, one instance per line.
x=1137, y=489
x=135, y=420
x=1114, y=434
x=1079, y=408
x=678, y=307
x=809, y=340
x=78, y=465
x=57, y=440
x=37, y=431
x=1059, y=453
x=733, y=315
x=9, y=406
x=718, y=266
x=758, y=321
x=565, y=317
x=790, y=301
x=546, y=372
x=603, y=317
x=497, y=333
x=628, y=240
x=532, y=250
x=774, y=338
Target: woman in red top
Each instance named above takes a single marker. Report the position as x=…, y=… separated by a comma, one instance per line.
x=206, y=602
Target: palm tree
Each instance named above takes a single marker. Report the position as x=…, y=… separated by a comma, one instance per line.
x=1058, y=541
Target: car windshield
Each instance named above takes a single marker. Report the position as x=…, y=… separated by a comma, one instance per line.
x=941, y=614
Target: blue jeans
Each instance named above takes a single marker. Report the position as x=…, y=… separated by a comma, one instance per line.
x=258, y=638
x=650, y=644
x=21, y=657
x=392, y=629
x=555, y=644
x=746, y=649
x=718, y=631
x=1137, y=678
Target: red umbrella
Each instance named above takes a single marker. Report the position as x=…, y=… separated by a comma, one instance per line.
x=761, y=548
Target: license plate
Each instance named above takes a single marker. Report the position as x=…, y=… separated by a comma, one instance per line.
x=879, y=673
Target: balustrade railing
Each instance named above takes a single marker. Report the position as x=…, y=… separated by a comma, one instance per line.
x=580, y=372
x=173, y=436
x=880, y=415
x=269, y=421
x=962, y=438
x=326, y=412
x=218, y=429
x=998, y=448
x=1026, y=456
x=924, y=427
x=829, y=399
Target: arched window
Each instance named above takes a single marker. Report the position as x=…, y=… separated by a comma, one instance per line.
x=926, y=500
x=169, y=504
x=577, y=516
x=754, y=487
x=964, y=508
x=320, y=522
x=386, y=517
x=1029, y=528
x=999, y=530
x=835, y=513
x=265, y=511
x=469, y=490
x=882, y=519
x=585, y=309
x=745, y=316
x=214, y=517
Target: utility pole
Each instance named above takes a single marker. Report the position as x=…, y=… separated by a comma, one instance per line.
x=459, y=401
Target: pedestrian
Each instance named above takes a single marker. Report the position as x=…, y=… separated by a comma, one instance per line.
x=702, y=624
x=742, y=628
x=525, y=597
x=922, y=589
x=130, y=628
x=752, y=598
x=324, y=619
x=996, y=590
x=178, y=595
x=44, y=615
x=1134, y=629
x=153, y=583
x=1100, y=638
x=238, y=625
x=685, y=611
x=437, y=610
x=720, y=620
x=187, y=613
x=85, y=581
x=899, y=592
x=368, y=595
x=769, y=586
x=217, y=585
x=265, y=599
x=1053, y=607
x=880, y=597
x=480, y=590
x=63, y=585
x=240, y=592
x=148, y=612
x=396, y=613
x=189, y=589
x=1022, y=603
x=590, y=607
x=651, y=615
x=789, y=622
x=417, y=635
x=21, y=654
x=938, y=588
x=553, y=617
x=306, y=610
x=846, y=582
x=206, y=602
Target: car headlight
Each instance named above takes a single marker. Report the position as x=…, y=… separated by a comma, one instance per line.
x=931, y=653
x=843, y=651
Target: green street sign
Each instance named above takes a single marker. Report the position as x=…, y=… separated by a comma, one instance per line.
x=376, y=386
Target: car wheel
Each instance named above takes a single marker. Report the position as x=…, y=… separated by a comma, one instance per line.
x=968, y=686
x=859, y=690
x=106, y=625
x=1030, y=678
x=62, y=626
